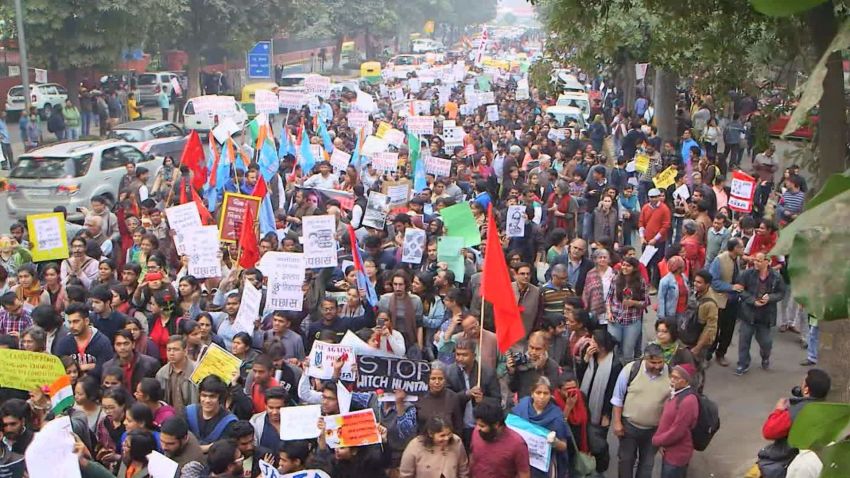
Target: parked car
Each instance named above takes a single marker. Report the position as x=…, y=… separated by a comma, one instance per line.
x=425, y=45
x=150, y=84
x=71, y=173
x=44, y=97
x=576, y=100
x=294, y=81
x=224, y=107
x=160, y=138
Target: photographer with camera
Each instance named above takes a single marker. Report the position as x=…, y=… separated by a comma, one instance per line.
x=525, y=368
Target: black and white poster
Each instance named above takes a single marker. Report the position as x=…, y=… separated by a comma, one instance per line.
x=389, y=374
x=414, y=245
x=377, y=209
x=515, y=224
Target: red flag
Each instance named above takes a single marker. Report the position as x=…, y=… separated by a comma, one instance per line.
x=496, y=289
x=206, y=217
x=248, y=242
x=193, y=158
x=260, y=190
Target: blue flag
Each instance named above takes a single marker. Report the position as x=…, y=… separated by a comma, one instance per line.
x=266, y=216
x=326, y=137
x=420, y=182
x=269, y=162
x=355, y=155
x=307, y=160
x=286, y=146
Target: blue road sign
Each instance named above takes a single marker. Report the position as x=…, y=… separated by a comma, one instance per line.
x=260, y=60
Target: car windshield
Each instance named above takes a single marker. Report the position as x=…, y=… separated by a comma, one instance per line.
x=56, y=167
x=146, y=79
x=129, y=135
x=404, y=60
x=291, y=81
x=16, y=91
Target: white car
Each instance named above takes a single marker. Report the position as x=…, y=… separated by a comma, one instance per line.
x=203, y=113
x=576, y=100
x=43, y=96
x=294, y=82
x=568, y=117
x=426, y=45
x=150, y=84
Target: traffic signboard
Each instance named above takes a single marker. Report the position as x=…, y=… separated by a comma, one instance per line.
x=260, y=60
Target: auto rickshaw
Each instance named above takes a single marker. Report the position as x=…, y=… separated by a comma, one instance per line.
x=370, y=72
x=248, y=92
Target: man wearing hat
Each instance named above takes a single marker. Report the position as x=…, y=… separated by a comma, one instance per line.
x=678, y=418
x=654, y=226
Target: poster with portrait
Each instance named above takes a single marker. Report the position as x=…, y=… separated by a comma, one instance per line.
x=515, y=224
x=414, y=245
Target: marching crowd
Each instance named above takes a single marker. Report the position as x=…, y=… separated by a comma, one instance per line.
x=130, y=324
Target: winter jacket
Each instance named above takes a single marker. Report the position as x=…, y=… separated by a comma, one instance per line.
x=678, y=418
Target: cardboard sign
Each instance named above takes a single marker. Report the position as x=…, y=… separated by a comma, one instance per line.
x=183, y=219
x=383, y=127
x=420, y=124
x=373, y=145
x=515, y=224
x=641, y=163
x=301, y=422
x=249, y=308
x=390, y=373
x=665, y=178
x=439, y=167
x=204, y=251
x=414, y=245
x=394, y=137
x=357, y=119
x=385, y=161
x=49, y=238
x=398, y=192
x=225, y=129
x=352, y=429
x=319, y=241
x=742, y=192
x=318, y=86
x=377, y=210
x=340, y=159
x=219, y=362
x=322, y=358
x=266, y=101
x=285, y=280
x=535, y=436
x=291, y=99
x=24, y=370
x=233, y=213
x=492, y=112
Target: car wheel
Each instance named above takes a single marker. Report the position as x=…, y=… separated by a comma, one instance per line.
x=46, y=111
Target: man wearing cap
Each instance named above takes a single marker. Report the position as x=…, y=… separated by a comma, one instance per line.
x=654, y=226
x=678, y=418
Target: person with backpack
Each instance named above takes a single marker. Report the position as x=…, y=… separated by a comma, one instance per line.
x=678, y=418
x=699, y=334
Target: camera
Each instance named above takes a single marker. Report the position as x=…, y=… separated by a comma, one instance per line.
x=519, y=358
x=797, y=392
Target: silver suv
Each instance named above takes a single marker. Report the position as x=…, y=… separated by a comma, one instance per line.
x=70, y=173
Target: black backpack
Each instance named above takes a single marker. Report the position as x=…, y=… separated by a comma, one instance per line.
x=708, y=421
x=689, y=325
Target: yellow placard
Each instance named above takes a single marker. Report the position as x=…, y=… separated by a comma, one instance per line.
x=383, y=127
x=665, y=178
x=49, y=238
x=24, y=370
x=217, y=361
x=641, y=163
x=429, y=26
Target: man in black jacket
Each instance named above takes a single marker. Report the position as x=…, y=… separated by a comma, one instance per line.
x=577, y=265
x=763, y=289
x=140, y=365
x=462, y=378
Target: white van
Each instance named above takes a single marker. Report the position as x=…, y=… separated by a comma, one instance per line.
x=203, y=113
x=576, y=100
x=150, y=84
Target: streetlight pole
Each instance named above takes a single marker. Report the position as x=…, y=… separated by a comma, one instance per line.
x=22, y=51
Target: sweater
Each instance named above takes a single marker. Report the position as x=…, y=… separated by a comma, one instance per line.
x=678, y=418
x=655, y=221
x=421, y=461
x=97, y=351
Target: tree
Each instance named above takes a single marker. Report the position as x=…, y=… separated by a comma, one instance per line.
x=201, y=26
x=75, y=35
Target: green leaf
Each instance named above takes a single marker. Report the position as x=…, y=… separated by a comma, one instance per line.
x=818, y=424
x=821, y=290
x=831, y=212
x=835, y=185
x=836, y=460
x=784, y=8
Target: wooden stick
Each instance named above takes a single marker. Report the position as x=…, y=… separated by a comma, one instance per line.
x=480, y=341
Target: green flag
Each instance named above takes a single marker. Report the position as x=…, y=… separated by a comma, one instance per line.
x=414, y=151
x=253, y=130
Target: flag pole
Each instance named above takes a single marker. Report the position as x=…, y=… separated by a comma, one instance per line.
x=480, y=340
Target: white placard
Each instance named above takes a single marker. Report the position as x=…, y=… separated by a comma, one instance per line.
x=682, y=192
x=343, y=398
x=182, y=220
x=385, y=161
x=249, y=308
x=160, y=466
x=467, y=109
x=318, y=86
x=212, y=104
x=291, y=99
x=357, y=119
x=444, y=93
x=225, y=129
x=204, y=253
x=49, y=233
x=285, y=272
x=420, y=124
x=648, y=253
x=319, y=241
x=439, y=167
x=51, y=452
x=398, y=194
x=422, y=107
x=301, y=422
x=515, y=224
x=453, y=136
x=397, y=94
x=555, y=134
x=14, y=70
x=394, y=137
x=414, y=85
x=522, y=94
x=449, y=124
x=492, y=112
x=373, y=144
x=266, y=101
x=486, y=98
x=340, y=159
x=414, y=245
x=377, y=209
x=741, y=188
x=322, y=358
x=40, y=76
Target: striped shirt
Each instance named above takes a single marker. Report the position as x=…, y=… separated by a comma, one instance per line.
x=552, y=299
x=793, y=201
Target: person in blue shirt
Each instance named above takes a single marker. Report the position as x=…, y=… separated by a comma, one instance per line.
x=208, y=419
x=5, y=142
x=482, y=197
x=687, y=143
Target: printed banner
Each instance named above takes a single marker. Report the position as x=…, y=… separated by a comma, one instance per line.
x=285, y=272
x=219, y=362
x=492, y=112
x=204, y=251
x=394, y=137
x=414, y=245
x=515, y=224
x=319, y=241
x=183, y=219
x=23, y=370
x=357, y=119
x=322, y=358
x=49, y=238
x=377, y=210
x=318, y=85
x=535, y=436
x=665, y=178
x=233, y=213
x=439, y=167
x=420, y=124
x=352, y=429
x=390, y=373
x=385, y=161
x=398, y=192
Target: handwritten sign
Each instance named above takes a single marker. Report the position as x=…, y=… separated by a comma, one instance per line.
x=357, y=119
x=390, y=373
x=352, y=429
x=212, y=104
x=301, y=422
x=204, y=253
x=377, y=209
x=420, y=124
x=286, y=278
x=665, y=178
x=319, y=241
x=385, y=161
x=742, y=192
x=641, y=163
x=24, y=370
x=439, y=167
x=266, y=101
x=291, y=99
x=317, y=85
x=322, y=358
x=340, y=159
x=183, y=219
x=539, y=450
x=414, y=245
x=49, y=239
x=233, y=213
x=249, y=308
x=219, y=362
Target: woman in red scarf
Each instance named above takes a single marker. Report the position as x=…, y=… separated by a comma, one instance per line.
x=762, y=241
x=561, y=209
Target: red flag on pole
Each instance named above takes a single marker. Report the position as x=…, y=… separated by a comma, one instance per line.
x=496, y=289
x=260, y=189
x=193, y=158
x=206, y=217
x=248, y=242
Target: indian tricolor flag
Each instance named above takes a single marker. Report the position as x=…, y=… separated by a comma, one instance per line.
x=61, y=394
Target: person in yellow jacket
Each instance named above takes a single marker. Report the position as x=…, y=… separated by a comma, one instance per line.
x=132, y=108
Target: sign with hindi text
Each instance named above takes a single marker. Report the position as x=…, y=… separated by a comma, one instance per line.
x=319, y=241
x=420, y=124
x=183, y=219
x=49, y=238
x=286, y=272
x=219, y=362
x=742, y=192
x=266, y=101
x=204, y=251
x=233, y=211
